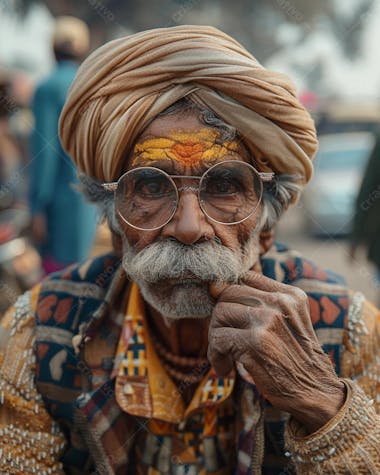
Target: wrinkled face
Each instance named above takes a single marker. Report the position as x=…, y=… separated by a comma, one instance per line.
x=175, y=264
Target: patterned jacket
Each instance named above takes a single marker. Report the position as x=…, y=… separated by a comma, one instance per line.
x=58, y=411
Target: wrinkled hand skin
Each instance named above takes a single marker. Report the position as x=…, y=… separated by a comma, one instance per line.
x=266, y=326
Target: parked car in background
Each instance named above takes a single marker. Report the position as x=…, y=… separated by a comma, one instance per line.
x=329, y=200
x=337, y=116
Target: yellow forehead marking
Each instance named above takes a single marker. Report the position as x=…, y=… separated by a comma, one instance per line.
x=187, y=148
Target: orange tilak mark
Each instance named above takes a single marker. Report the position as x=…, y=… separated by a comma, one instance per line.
x=187, y=148
x=188, y=152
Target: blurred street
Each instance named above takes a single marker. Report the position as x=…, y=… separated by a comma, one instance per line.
x=330, y=253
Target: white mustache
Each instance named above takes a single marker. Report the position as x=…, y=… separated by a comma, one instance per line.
x=169, y=259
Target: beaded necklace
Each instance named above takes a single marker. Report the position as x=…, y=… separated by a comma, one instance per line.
x=181, y=368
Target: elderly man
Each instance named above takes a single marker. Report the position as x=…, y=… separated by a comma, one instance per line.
x=198, y=346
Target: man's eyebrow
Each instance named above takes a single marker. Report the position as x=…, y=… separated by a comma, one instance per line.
x=169, y=166
x=163, y=164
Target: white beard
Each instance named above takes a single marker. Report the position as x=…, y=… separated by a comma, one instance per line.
x=174, y=278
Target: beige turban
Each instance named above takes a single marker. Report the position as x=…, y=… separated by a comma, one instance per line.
x=124, y=84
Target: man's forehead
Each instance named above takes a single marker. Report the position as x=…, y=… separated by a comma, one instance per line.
x=162, y=124
x=184, y=142
x=190, y=149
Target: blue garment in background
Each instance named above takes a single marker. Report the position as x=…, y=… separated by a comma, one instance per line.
x=71, y=222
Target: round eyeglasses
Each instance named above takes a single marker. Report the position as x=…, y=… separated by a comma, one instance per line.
x=229, y=192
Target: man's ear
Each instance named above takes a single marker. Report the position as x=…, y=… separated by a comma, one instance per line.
x=117, y=244
x=266, y=240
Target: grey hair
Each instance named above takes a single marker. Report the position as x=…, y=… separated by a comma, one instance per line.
x=277, y=195
x=93, y=191
x=186, y=105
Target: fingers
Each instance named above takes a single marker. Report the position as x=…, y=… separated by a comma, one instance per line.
x=241, y=306
x=223, y=349
x=222, y=363
x=242, y=293
x=256, y=322
x=255, y=280
x=293, y=301
x=261, y=282
x=216, y=288
x=246, y=295
x=238, y=316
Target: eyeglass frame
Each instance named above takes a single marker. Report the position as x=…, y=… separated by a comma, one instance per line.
x=264, y=177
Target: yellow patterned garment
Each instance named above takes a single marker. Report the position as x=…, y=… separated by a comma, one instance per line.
x=32, y=442
x=199, y=437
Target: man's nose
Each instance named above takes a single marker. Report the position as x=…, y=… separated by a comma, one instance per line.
x=189, y=223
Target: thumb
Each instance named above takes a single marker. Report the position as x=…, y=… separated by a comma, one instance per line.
x=216, y=288
x=219, y=351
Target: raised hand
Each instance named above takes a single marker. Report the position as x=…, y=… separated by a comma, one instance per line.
x=266, y=326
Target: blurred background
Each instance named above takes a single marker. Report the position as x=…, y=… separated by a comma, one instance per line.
x=328, y=47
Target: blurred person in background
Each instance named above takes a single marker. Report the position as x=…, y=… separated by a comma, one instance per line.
x=366, y=223
x=198, y=346
x=63, y=224
x=21, y=120
x=19, y=262
x=12, y=183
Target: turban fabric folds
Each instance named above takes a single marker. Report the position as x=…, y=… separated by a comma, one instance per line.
x=122, y=86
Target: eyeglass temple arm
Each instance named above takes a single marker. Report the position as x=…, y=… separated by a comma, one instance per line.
x=110, y=186
x=266, y=176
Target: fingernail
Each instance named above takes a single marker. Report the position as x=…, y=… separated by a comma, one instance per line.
x=216, y=288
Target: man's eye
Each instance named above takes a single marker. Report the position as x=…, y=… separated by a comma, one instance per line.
x=222, y=187
x=152, y=188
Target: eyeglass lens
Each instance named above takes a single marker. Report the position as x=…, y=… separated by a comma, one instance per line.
x=230, y=192
x=147, y=197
